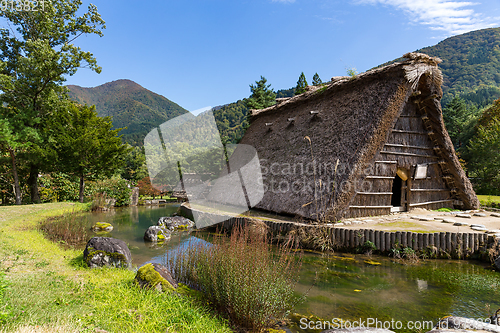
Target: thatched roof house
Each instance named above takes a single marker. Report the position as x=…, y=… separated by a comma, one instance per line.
x=361, y=146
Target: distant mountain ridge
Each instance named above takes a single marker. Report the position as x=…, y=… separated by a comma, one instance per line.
x=130, y=105
x=471, y=69
x=471, y=65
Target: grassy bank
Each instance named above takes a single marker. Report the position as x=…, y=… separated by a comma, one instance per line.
x=486, y=200
x=50, y=290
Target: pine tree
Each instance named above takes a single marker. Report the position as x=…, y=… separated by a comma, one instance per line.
x=301, y=84
x=316, y=80
x=262, y=95
x=460, y=120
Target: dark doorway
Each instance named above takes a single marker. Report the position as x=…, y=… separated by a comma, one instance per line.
x=397, y=185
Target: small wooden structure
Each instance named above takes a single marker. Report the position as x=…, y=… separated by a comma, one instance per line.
x=361, y=146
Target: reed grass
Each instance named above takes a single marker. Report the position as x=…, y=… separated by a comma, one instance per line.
x=69, y=229
x=243, y=276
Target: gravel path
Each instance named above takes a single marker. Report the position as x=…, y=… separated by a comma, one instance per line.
x=422, y=220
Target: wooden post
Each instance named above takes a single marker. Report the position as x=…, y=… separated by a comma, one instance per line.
x=382, y=241
x=398, y=238
x=480, y=241
x=465, y=244
x=448, y=242
x=404, y=239
x=387, y=241
x=476, y=242
x=436, y=241
x=420, y=243
x=352, y=237
x=371, y=236
x=431, y=240
x=377, y=240
x=471, y=242
x=442, y=241
x=393, y=239
x=425, y=245
x=454, y=244
x=414, y=241
x=409, y=239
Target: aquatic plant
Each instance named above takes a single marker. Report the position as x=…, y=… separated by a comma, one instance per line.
x=69, y=229
x=242, y=276
x=367, y=248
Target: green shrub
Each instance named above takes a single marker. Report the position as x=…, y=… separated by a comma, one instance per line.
x=47, y=194
x=241, y=276
x=445, y=209
x=368, y=247
x=58, y=186
x=116, y=188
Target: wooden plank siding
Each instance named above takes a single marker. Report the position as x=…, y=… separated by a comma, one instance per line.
x=405, y=148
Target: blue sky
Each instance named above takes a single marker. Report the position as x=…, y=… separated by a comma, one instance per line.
x=201, y=53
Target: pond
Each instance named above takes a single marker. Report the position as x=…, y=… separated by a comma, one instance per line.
x=345, y=286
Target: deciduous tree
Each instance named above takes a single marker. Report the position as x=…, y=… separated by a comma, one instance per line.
x=36, y=53
x=86, y=144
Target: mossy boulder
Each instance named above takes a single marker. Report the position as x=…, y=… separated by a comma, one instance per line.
x=157, y=234
x=102, y=227
x=175, y=223
x=107, y=251
x=155, y=276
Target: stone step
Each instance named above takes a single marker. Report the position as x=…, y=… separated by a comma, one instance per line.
x=459, y=224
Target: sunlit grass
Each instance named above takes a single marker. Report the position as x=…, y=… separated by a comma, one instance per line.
x=486, y=200
x=51, y=290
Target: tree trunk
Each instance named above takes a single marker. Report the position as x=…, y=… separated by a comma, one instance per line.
x=17, y=188
x=82, y=188
x=33, y=184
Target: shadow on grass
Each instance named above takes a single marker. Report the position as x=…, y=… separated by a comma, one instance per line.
x=78, y=262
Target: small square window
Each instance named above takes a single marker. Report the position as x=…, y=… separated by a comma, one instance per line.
x=421, y=171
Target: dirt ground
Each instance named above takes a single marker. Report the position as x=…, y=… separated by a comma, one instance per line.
x=422, y=220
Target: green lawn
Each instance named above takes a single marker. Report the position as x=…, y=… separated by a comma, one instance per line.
x=488, y=198
x=50, y=290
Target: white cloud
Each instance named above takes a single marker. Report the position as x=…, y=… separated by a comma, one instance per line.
x=455, y=17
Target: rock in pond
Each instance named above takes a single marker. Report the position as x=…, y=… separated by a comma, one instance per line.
x=156, y=234
x=102, y=227
x=155, y=276
x=107, y=251
x=175, y=223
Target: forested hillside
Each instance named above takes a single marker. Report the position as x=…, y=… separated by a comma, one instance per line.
x=471, y=66
x=130, y=105
x=471, y=70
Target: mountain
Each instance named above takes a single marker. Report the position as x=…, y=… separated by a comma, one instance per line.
x=471, y=69
x=471, y=66
x=130, y=105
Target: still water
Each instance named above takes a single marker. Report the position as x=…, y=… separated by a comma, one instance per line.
x=344, y=286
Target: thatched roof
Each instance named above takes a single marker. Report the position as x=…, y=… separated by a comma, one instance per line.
x=347, y=120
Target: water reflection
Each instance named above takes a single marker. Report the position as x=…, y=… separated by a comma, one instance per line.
x=344, y=286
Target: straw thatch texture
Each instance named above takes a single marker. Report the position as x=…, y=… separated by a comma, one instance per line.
x=334, y=151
